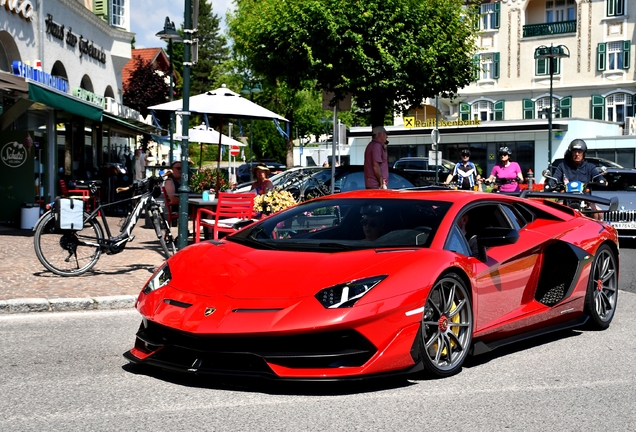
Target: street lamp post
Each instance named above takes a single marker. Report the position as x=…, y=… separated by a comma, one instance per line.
x=169, y=33
x=550, y=54
x=250, y=87
x=185, y=120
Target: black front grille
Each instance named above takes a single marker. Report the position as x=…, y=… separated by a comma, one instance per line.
x=620, y=216
x=312, y=350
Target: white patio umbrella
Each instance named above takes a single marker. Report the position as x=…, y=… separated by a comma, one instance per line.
x=224, y=103
x=204, y=135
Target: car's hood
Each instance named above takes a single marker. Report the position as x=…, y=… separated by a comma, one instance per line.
x=240, y=272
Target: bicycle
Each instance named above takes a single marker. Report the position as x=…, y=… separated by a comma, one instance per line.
x=74, y=252
x=304, y=186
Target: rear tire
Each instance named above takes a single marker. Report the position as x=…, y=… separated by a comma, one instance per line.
x=447, y=326
x=162, y=229
x=602, y=290
x=65, y=252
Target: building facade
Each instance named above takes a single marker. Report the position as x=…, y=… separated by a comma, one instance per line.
x=61, y=110
x=591, y=72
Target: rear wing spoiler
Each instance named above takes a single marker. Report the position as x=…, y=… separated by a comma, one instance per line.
x=610, y=203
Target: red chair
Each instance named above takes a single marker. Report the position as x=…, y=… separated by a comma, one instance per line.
x=172, y=216
x=230, y=209
x=77, y=193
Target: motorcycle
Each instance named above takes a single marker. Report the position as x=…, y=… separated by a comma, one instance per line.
x=574, y=188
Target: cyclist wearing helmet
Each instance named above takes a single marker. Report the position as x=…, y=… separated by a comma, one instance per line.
x=508, y=173
x=465, y=171
x=575, y=167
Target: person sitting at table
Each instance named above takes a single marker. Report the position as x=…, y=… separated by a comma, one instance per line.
x=172, y=184
x=262, y=184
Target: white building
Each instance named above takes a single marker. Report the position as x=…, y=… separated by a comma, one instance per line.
x=592, y=97
x=61, y=109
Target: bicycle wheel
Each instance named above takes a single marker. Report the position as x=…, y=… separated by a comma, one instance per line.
x=162, y=229
x=65, y=252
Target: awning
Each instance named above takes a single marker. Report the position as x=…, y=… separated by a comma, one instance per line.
x=12, y=83
x=136, y=126
x=63, y=101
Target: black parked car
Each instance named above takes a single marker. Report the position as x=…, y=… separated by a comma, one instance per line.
x=421, y=172
x=350, y=178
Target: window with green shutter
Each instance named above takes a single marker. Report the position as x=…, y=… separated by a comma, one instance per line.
x=100, y=8
x=565, y=107
x=597, y=107
x=600, y=56
x=543, y=66
x=496, y=18
x=499, y=110
x=528, y=109
x=615, y=8
x=495, y=65
x=464, y=111
x=627, y=45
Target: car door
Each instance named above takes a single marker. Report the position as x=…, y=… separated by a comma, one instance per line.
x=505, y=282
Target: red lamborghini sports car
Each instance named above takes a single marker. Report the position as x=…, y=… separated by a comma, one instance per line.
x=369, y=283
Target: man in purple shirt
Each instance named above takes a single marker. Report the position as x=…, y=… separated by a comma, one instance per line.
x=376, y=165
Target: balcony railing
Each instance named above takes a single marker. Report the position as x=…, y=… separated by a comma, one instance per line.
x=552, y=28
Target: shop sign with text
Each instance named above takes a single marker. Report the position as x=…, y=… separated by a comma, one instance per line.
x=121, y=110
x=13, y=154
x=86, y=47
x=88, y=96
x=25, y=71
x=24, y=8
x=411, y=122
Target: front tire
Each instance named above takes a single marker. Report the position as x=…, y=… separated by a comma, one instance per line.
x=602, y=290
x=162, y=229
x=447, y=326
x=66, y=252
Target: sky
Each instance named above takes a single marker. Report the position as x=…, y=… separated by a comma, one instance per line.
x=148, y=16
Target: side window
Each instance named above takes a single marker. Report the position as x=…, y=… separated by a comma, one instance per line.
x=457, y=242
x=516, y=219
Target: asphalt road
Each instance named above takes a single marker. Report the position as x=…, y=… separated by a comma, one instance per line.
x=65, y=372
x=627, y=253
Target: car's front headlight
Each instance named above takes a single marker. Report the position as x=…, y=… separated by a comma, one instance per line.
x=160, y=279
x=347, y=294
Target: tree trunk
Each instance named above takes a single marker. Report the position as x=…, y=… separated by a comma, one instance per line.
x=378, y=110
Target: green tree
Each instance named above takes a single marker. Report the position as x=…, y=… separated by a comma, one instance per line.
x=213, y=52
x=147, y=86
x=389, y=54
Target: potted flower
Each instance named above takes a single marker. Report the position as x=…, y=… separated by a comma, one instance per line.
x=273, y=201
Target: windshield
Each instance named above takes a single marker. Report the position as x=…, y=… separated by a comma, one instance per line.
x=346, y=224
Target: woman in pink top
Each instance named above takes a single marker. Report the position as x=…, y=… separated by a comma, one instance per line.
x=508, y=173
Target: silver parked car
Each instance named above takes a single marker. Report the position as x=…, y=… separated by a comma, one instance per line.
x=621, y=183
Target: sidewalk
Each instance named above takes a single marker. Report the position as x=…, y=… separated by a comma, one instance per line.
x=114, y=282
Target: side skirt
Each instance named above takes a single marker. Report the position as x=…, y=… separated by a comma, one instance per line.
x=484, y=347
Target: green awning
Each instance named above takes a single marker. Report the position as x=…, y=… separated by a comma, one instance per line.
x=64, y=102
x=138, y=127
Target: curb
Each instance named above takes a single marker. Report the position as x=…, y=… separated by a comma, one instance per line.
x=27, y=305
